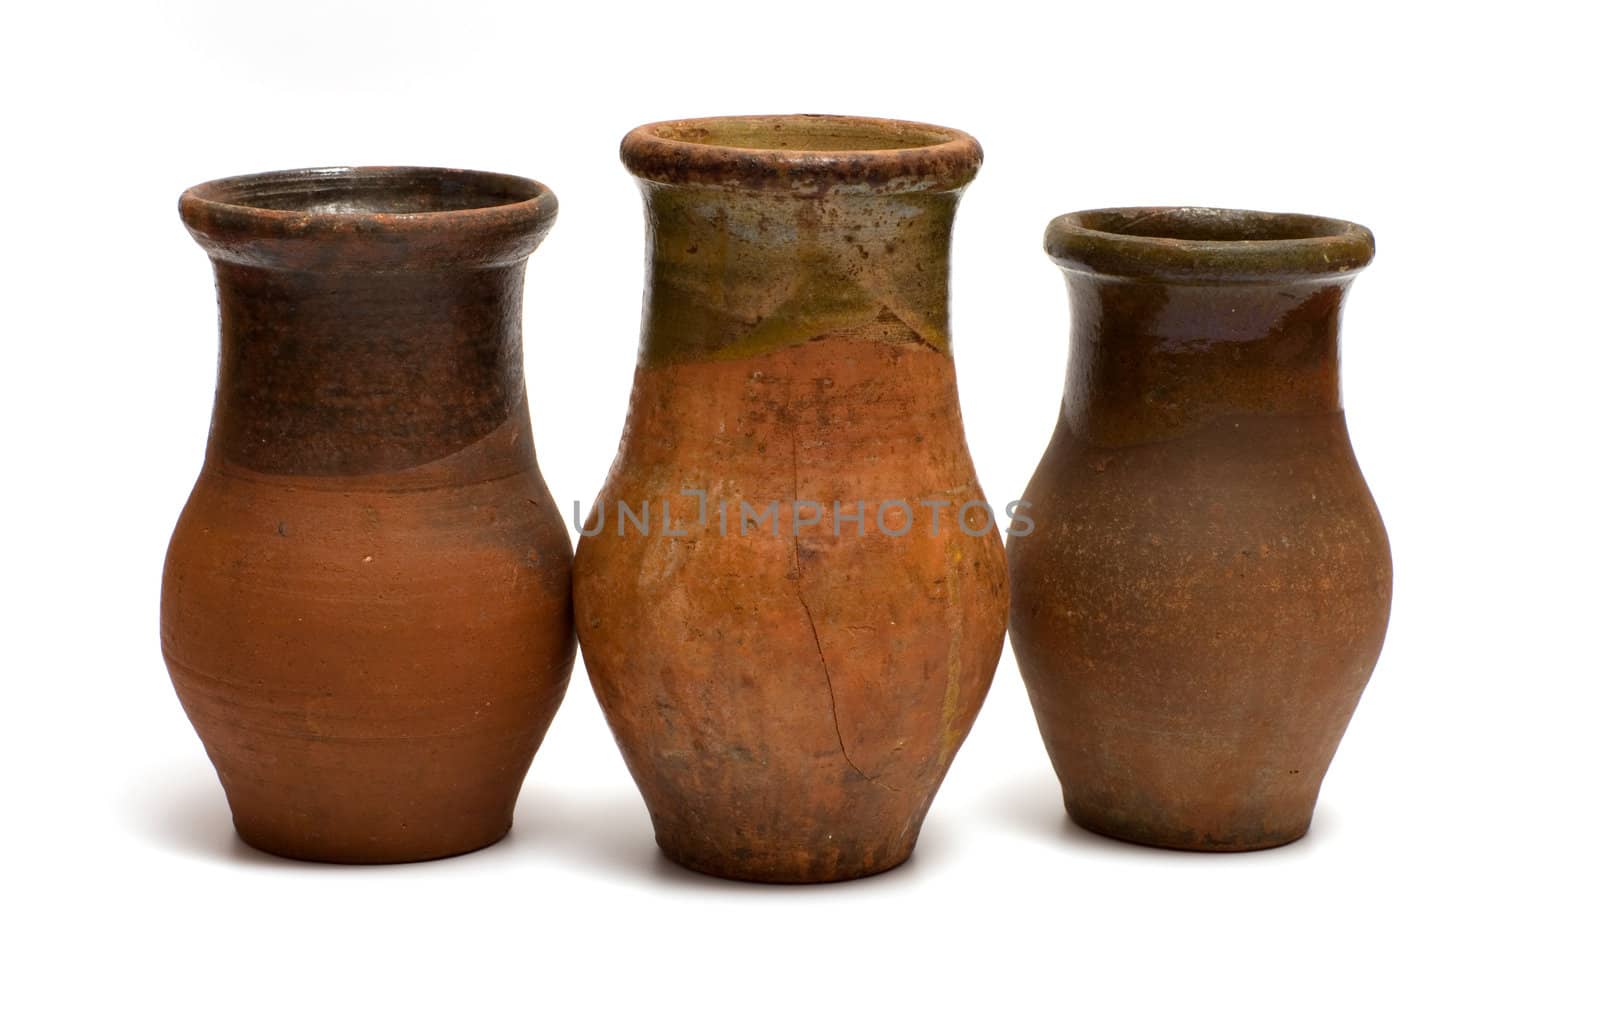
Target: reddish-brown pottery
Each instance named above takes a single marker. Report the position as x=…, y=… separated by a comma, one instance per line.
x=366, y=606
x=793, y=648
x=1207, y=586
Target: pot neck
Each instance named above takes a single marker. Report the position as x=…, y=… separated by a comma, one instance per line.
x=738, y=273
x=1156, y=359
x=363, y=371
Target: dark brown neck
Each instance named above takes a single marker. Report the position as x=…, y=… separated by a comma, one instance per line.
x=1153, y=360
x=363, y=372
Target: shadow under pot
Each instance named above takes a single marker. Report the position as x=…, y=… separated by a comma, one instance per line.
x=366, y=608
x=1207, y=585
x=790, y=595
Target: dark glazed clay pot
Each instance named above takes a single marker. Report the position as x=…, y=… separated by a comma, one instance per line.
x=366, y=602
x=1207, y=587
x=790, y=660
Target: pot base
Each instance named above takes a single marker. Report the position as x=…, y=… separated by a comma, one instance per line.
x=799, y=869
x=1170, y=835
x=359, y=853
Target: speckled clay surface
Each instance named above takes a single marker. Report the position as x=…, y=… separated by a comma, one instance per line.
x=1207, y=588
x=789, y=700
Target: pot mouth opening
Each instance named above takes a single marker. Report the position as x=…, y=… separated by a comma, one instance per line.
x=357, y=192
x=800, y=151
x=1206, y=242
x=378, y=216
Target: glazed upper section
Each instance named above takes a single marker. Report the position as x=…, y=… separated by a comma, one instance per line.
x=369, y=219
x=735, y=273
x=1206, y=244
x=803, y=152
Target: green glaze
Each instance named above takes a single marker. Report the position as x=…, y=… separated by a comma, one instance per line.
x=769, y=232
x=736, y=274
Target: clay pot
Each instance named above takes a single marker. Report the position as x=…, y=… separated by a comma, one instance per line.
x=1207, y=586
x=366, y=602
x=789, y=678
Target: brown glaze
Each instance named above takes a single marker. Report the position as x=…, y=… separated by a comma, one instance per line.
x=366, y=607
x=1207, y=588
x=789, y=699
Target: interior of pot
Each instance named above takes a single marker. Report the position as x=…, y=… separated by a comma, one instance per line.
x=377, y=190
x=809, y=133
x=803, y=154
x=370, y=218
x=1199, y=243
x=1210, y=224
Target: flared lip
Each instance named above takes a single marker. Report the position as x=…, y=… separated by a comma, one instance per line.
x=377, y=215
x=800, y=152
x=1206, y=243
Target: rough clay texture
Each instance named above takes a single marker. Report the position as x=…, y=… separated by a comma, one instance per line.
x=789, y=702
x=366, y=607
x=1208, y=587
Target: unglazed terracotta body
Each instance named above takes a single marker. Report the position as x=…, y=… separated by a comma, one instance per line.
x=789, y=699
x=366, y=606
x=1207, y=588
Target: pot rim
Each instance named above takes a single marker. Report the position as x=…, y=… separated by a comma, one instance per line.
x=449, y=215
x=803, y=152
x=1206, y=243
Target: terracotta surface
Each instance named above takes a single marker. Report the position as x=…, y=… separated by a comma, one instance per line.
x=366, y=607
x=789, y=700
x=1207, y=588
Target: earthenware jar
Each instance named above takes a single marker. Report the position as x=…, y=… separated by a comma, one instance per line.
x=792, y=647
x=366, y=606
x=1206, y=587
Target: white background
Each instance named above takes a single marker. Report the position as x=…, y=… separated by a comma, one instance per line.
x=1451, y=867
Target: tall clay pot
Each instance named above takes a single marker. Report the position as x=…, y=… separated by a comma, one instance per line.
x=790, y=657
x=366, y=605
x=1207, y=586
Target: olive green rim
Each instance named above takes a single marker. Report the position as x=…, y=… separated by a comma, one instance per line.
x=770, y=152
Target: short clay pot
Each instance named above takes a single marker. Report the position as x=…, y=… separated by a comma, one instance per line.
x=791, y=652
x=1207, y=586
x=366, y=607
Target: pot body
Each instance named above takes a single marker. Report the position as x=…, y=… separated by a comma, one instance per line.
x=1207, y=588
x=790, y=657
x=366, y=607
